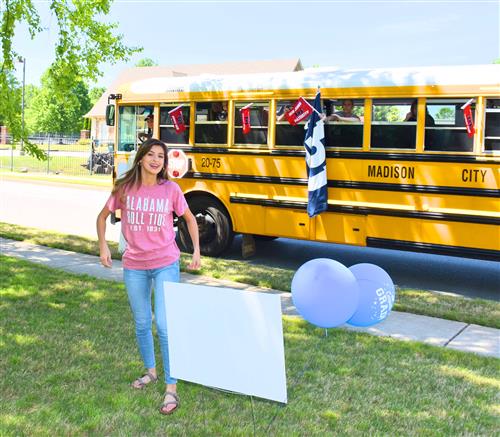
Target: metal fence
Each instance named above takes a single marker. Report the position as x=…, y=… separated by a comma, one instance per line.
x=67, y=155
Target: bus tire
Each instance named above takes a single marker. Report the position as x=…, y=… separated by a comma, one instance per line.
x=214, y=224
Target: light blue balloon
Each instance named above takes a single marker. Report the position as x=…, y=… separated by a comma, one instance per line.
x=376, y=294
x=325, y=292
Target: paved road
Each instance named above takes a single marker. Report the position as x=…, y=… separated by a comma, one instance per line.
x=62, y=208
x=69, y=209
x=464, y=276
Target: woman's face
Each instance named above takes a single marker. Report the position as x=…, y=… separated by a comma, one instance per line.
x=347, y=106
x=217, y=107
x=154, y=160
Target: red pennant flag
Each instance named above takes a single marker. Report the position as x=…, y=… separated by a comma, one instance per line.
x=300, y=111
x=469, y=121
x=177, y=119
x=245, y=119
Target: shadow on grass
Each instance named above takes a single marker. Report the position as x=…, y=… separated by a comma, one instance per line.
x=478, y=311
x=67, y=355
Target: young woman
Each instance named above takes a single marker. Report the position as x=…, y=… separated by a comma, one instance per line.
x=147, y=200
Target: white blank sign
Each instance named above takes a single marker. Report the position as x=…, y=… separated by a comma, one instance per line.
x=226, y=338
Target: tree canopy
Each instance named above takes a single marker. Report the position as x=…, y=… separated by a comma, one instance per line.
x=445, y=114
x=96, y=93
x=386, y=113
x=47, y=113
x=146, y=62
x=10, y=103
x=83, y=44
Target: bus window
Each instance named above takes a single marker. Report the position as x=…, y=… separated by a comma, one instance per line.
x=492, y=126
x=393, y=126
x=286, y=134
x=211, y=123
x=133, y=126
x=259, y=116
x=449, y=133
x=344, y=123
x=167, y=130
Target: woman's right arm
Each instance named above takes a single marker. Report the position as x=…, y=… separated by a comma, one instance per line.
x=104, y=252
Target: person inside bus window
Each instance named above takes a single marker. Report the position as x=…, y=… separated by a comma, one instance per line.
x=412, y=115
x=265, y=117
x=150, y=121
x=218, y=111
x=282, y=111
x=346, y=114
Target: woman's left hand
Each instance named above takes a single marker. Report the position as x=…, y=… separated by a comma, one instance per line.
x=195, y=261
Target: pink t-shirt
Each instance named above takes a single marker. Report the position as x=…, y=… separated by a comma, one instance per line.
x=147, y=224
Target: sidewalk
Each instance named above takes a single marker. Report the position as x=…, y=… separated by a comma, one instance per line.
x=402, y=326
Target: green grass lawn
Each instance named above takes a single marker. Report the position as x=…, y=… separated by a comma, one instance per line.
x=67, y=355
x=76, y=147
x=479, y=311
x=55, y=164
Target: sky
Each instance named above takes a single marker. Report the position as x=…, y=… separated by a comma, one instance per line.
x=345, y=34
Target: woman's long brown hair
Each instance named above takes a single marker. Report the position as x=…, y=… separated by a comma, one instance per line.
x=132, y=177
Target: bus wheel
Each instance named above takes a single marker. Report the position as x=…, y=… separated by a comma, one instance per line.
x=214, y=224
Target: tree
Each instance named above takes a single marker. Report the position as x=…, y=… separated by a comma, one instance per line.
x=146, y=62
x=445, y=114
x=96, y=93
x=10, y=88
x=51, y=114
x=83, y=44
x=386, y=113
x=358, y=110
x=31, y=94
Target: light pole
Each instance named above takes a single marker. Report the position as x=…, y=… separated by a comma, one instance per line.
x=23, y=60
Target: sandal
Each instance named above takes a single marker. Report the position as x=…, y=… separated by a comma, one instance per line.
x=144, y=380
x=176, y=402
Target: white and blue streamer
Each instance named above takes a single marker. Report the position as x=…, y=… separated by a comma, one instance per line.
x=314, y=143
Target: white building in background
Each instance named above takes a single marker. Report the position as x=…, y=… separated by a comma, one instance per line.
x=102, y=134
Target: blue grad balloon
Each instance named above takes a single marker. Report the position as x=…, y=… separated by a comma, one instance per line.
x=376, y=294
x=325, y=292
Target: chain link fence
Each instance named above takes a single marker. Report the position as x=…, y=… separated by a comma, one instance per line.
x=68, y=155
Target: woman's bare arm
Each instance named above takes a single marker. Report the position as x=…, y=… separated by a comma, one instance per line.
x=104, y=252
x=194, y=234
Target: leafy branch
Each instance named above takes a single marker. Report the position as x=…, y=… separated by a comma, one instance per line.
x=85, y=41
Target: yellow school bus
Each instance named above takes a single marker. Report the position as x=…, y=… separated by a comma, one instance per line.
x=402, y=170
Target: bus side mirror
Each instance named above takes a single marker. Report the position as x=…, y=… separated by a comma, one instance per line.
x=110, y=115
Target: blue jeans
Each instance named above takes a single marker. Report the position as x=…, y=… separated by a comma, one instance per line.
x=139, y=284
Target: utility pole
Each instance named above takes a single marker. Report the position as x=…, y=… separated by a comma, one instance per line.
x=23, y=60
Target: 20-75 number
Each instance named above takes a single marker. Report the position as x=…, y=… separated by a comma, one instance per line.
x=210, y=163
